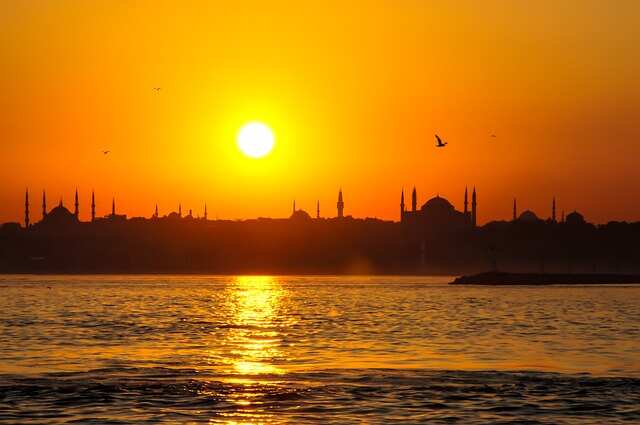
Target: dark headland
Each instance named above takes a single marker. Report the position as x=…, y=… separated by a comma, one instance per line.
x=505, y=278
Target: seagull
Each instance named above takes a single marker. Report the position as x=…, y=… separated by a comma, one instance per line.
x=439, y=142
x=157, y=89
x=493, y=135
x=105, y=152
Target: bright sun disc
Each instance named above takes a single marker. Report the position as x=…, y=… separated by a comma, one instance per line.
x=255, y=139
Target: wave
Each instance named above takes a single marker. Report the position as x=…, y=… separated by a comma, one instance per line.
x=165, y=395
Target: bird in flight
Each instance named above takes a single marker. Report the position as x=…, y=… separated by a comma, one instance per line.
x=157, y=89
x=105, y=152
x=493, y=135
x=439, y=142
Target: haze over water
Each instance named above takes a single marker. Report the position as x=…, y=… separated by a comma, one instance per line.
x=201, y=349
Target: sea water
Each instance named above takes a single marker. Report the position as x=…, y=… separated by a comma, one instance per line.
x=331, y=349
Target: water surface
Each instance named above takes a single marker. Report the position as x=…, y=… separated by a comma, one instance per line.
x=201, y=349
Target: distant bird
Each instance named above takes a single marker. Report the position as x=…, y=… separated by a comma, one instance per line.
x=105, y=152
x=493, y=135
x=157, y=89
x=439, y=142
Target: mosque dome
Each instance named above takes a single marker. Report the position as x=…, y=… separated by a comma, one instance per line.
x=59, y=211
x=300, y=215
x=575, y=218
x=60, y=215
x=438, y=204
x=528, y=217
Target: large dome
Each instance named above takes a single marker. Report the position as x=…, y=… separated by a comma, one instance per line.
x=60, y=212
x=528, y=217
x=60, y=215
x=437, y=203
x=575, y=218
x=300, y=215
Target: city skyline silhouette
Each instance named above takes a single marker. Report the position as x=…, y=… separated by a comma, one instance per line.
x=427, y=237
x=349, y=106
x=405, y=209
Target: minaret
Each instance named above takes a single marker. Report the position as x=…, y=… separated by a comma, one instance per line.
x=44, y=204
x=515, y=210
x=318, y=209
x=466, y=203
x=402, y=205
x=414, y=200
x=155, y=212
x=340, y=205
x=474, y=208
x=294, y=206
x=190, y=213
x=205, y=211
x=93, y=206
x=553, y=210
x=76, y=210
x=26, y=209
x=180, y=210
x=113, y=207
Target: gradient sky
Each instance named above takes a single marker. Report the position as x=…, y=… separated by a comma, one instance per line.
x=354, y=92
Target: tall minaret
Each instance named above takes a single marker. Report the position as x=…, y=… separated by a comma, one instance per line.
x=294, y=207
x=155, y=212
x=76, y=210
x=113, y=207
x=553, y=210
x=180, y=210
x=44, y=204
x=340, y=205
x=466, y=203
x=414, y=200
x=515, y=210
x=474, y=208
x=402, y=205
x=318, y=209
x=205, y=211
x=93, y=206
x=26, y=209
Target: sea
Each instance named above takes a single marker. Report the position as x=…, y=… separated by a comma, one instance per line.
x=158, y=349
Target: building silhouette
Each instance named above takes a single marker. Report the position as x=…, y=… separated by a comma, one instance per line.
x=44, y=204
x=432, y=238
x=76, y=210
x=26, y=209
x=438, y=212
x=93, y=206
x=414, y=200
x=474, y=208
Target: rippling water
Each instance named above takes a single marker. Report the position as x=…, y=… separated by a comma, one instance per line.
x=198, y=349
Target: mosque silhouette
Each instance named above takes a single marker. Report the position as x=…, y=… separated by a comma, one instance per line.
x=435, y=238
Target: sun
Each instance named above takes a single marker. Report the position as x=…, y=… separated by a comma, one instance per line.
x=255, y=139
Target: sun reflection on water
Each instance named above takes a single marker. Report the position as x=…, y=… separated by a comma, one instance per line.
x=253, y=343
x=254, y=336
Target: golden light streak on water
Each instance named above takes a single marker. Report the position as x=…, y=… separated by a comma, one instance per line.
x=254, y=301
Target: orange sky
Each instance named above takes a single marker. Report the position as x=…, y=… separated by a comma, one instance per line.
x=353, y=93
